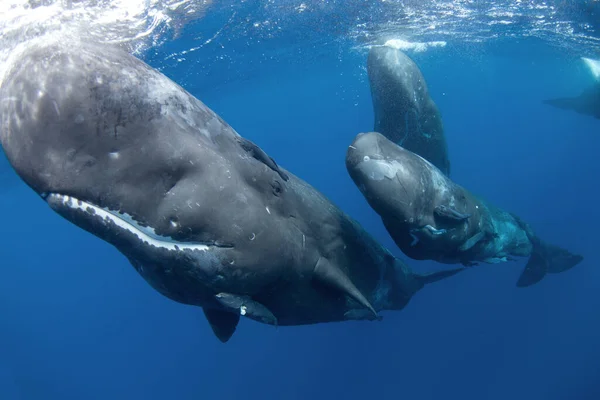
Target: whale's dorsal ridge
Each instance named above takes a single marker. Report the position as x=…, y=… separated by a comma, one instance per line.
x=255, y=151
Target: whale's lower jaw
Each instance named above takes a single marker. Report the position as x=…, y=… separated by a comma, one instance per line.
x=182, y=271
x=69, y=206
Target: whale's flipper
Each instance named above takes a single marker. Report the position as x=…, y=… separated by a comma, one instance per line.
x=246, y=306
x=223, y=323
x=546, y=258
x=472, y=241
x=450, y=214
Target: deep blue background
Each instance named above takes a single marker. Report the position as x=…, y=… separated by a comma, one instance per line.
x=77, y=322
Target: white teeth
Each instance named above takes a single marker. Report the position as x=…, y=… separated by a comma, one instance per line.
x=124, y=221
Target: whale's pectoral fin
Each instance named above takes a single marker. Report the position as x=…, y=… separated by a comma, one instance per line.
x=331, y=275
x=450, y=214
x=223, y=323
x=546, y=258
x=472, y=241
x=261, y=156
x=246, y=306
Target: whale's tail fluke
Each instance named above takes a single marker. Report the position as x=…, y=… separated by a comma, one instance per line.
x=546, y=258
x=566, y=103
x=431, y=277
x=408, y=282
x=588, y=102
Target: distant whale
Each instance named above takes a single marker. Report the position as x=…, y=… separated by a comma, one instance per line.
x=404, y=111
x=588, y=102
x=431, y=217
x=205, y=216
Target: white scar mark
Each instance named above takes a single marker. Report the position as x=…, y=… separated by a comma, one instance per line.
x=124, y=221
x=269, y=211
x=378, y=170
x=56, y=109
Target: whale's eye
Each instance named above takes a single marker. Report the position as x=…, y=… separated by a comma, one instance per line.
x=277, y=189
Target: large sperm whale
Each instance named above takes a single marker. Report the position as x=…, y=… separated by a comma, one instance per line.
x=204, y=215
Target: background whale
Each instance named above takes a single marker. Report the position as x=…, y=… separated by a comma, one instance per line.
x=588, y=102
x=205, y=216
x=404, y=111
x=430, y=217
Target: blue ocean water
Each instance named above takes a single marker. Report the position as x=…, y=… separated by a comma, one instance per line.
x=79, y=323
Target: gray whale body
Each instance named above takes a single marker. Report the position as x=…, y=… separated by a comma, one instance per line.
x=430, y=217
x=205, y=216
x=404, y=110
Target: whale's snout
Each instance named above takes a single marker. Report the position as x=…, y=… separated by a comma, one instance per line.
x=365, y=161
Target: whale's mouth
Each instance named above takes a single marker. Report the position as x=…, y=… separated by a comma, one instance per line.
x=67, y=205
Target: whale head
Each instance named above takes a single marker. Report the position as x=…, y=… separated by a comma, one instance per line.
x=123, y=152
x=385, y=174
